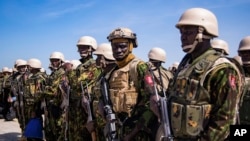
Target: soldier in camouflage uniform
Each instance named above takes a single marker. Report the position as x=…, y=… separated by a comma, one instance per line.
x=6, y=94
x=106, y=62
x=206, y=87
x=33, y=97
x=53, y=97
x=19, y=80
x=162, y=79
x=1, y=90
x=81, y=82
x=127, y=89
x=243, y=52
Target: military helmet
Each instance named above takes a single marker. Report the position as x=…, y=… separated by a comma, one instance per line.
x=5, y=69
x=105, y=49
x=21, y=63
x=35, y=63
x=238, y=59
x=175, y=65
x=123, y=32
x=87, y=40
x=57, y=55
x=244, y=44
x=221, y=45
x=16, y=62
x=10, y=70
x=158, y=54
x=200, y=17
x=75, y=63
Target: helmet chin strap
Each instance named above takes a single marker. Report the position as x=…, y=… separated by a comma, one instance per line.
x=198, y=39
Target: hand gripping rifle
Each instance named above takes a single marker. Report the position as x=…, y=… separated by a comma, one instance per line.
x=110, y=127
x=163, y=106
x=88, y=108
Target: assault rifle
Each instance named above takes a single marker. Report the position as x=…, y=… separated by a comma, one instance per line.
x=17, y=102
x=163, y=106
x=65, y=106
x=110, y=127
x=88, y=107
x=21, y=102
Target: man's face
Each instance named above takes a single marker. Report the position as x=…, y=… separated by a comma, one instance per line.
x=84, y=50
x=99, y=60
x=120, y=50
x=55, y=62
x=188, y=34
x=22, y=68
x=244, y=55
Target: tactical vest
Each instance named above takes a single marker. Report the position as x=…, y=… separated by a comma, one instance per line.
x=189, y=106
x=33, y=88
x=244, y=111
x=166, y=77
x=54, y=81
x=7, y=81
x=123, y=84
x=86, y=74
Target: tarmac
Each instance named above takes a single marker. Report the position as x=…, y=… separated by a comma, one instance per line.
x=9, y=130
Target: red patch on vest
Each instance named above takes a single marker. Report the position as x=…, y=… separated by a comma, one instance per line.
x=149, y=80
x=232, y=80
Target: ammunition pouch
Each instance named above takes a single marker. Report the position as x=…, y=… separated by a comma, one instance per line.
x=189, y=120
x=123, y=100
x=29, y=101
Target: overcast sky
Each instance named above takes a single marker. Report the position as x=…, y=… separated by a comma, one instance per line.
x=36, y=28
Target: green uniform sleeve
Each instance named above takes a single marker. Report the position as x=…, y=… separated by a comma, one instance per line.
x=223, y=84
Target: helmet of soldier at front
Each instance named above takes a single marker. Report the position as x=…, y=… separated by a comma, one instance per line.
x=123, y=32
x=244, y=46
x=57, y=55
x=200, y=17
x=87, y=40
x=21, y=63
x=105, y=49
x=221, y=45
x=75, y=63
x=206, y=22
x=157, y=54
x=35, y=63
x=5, y=69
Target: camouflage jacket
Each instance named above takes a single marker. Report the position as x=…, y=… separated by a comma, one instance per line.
x=127, y=84
x=86, y=75
x=244, y=111
x=204, y=97
x=35, y=86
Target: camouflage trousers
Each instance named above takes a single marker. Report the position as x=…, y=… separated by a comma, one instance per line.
x=53, y=120
x=75, y=130
x=147, y=128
